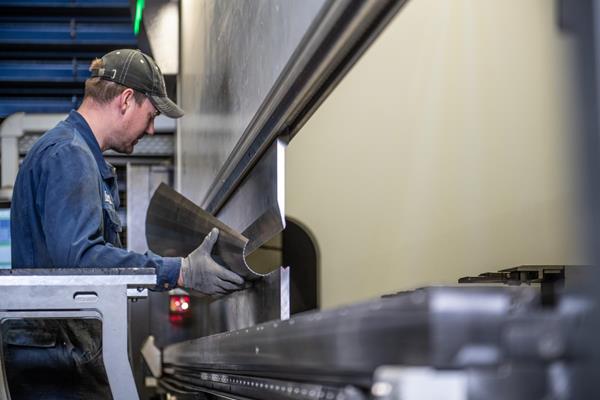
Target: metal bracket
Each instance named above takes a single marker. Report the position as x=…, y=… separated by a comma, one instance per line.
x=418, y=383
x=135, y=294
x=153, y=357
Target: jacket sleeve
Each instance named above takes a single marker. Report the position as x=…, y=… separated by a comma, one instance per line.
x=70, y=206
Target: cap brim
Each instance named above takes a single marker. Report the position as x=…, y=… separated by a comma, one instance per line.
x=167, y=107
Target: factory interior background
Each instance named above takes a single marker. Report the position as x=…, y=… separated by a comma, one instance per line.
x=451, y=148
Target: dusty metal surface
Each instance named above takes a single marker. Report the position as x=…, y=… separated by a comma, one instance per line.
x=256, y=207
x=266, y=299
x=232, y=53
x=161, y=23
x=337, y=36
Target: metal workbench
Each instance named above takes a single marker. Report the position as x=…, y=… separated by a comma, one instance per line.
x=99, y=293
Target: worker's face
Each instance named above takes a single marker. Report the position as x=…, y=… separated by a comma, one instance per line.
x=137, y=121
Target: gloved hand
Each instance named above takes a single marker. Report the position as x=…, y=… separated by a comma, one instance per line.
x=201, y=273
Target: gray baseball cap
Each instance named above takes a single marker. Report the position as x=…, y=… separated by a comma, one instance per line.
x=138, y=71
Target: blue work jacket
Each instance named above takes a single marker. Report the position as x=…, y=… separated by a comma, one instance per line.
x=64, y=208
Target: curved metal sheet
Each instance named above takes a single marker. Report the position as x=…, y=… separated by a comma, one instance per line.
x=175, y=226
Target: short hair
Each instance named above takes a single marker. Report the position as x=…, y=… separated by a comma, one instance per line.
x=104, y=91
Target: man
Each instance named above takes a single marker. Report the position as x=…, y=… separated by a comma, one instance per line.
x=64, y=215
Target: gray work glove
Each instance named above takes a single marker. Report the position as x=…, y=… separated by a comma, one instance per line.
x=203, y=274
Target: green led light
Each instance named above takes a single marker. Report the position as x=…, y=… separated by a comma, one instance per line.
x=139, y=9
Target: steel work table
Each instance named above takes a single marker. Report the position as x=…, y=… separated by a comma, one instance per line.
x=99, y=293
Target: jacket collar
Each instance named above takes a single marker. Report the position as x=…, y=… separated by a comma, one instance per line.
x=81, y=125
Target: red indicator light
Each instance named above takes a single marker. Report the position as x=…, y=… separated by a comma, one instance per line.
x=179, y=304
x=179, y=308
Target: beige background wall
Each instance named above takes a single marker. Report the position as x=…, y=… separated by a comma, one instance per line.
x=444, y=152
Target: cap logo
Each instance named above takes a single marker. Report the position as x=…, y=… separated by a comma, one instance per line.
x=102, y=73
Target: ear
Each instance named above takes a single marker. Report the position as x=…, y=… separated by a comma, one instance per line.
x=125, y=100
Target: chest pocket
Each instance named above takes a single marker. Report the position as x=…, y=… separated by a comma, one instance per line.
x=112, y=222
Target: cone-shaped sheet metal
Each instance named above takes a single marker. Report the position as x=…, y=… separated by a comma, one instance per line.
x=175, y=226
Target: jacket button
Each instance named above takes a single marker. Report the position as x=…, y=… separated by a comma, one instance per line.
x=166, y=285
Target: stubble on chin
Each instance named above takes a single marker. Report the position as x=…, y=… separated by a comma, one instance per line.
x=123, y=149
x=127, y=149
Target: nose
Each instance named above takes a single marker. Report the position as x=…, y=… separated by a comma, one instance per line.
x=150, y=129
